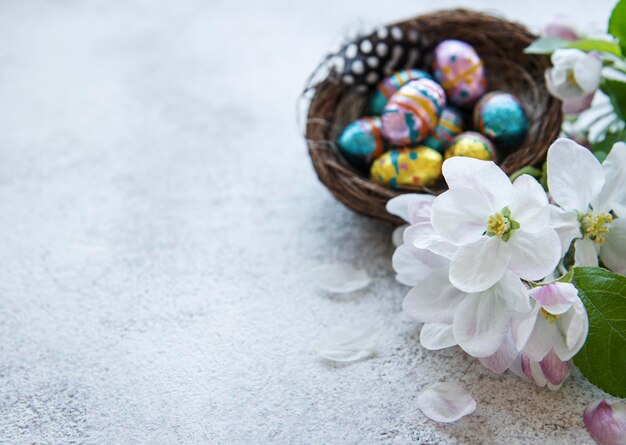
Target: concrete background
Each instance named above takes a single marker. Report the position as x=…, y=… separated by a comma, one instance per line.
x=158, y=213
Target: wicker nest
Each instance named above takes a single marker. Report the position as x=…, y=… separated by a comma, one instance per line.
x=334, y=103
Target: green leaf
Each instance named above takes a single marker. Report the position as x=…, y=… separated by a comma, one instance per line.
x=546, y=45
x=606, y=144
x=603, y=357
x=588, y=45
x=617, y=93
x=617, y=24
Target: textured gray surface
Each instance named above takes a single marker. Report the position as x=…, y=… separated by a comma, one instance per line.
x=158, y=213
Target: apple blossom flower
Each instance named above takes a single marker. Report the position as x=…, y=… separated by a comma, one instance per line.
x=574, y=74
x=558, y=321
x=592, y=196
x=606, y=422
x=550, y=371
x=495, y=226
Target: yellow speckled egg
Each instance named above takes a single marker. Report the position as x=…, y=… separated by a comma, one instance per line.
x=472, y=145
x=407, y=167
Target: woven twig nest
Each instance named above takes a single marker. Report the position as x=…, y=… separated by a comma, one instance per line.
x=339, y=98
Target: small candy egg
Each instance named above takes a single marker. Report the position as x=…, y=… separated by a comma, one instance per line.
x=407, y=167
x=501, y=117
x=459, y=70
x=361, y=142
x=390, y=85
x=472, y=145
x=450, y=125
x=413, y=112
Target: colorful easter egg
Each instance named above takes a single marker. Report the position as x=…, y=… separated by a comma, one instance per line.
x=501, y=117
x=413, y=112
x=449, y=126
x=361, y=142
x=407, y=167
x=460, y=71
x=390, y=85
x=472, y=145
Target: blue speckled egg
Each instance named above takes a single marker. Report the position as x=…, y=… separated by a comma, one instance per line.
x=390, y=85
x=361, y=142
x=501, y=117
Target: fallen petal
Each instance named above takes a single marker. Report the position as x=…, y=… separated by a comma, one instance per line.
x=348, y=344
x=445, y=402
x=339, y=278
x=606, y=422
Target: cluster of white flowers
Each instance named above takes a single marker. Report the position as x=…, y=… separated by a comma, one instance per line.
x=484, y=258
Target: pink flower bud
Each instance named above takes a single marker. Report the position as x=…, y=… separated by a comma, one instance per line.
x=606, y=422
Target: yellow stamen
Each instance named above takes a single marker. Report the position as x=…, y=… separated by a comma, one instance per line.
x=595, y=227
x=548, y=316
x=498, y=225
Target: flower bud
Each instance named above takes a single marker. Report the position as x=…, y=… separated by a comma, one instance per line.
x=606, y=422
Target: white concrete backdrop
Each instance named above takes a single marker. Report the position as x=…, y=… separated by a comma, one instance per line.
x=157, y=214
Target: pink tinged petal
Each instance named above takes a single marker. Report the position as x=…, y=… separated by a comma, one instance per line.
x=516, y=368
x=481, y=323
x=483, y=176
x=613, y=193
x=534, y=255
x=606, y=422
x=445, y=402
x=348, y=344
x=573, y=326
x=511, y=289
x=460, y=215
x=536, y=373
x=398, y=235
x=557, y=298
x=434, y=301
x=436, y=336
x=399, y=206
x=575, y=176
x=500, y=360
x=586, y=253
x=529, y=204
x=588, y=73
x=555, y=370
x=613, y=251
x=477, y=266
x=562, y=29
x=414, y=265
x=575, y=106
x=339, y=278
x=566, y=225
x=423, y=236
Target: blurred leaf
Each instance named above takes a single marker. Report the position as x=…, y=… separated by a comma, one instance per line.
x=605, y=144
x=546, y=45
x=617, y=94
x=617, y=24
x=596, y=45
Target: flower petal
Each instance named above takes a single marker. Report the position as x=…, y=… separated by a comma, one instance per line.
x=423, y=236
x=460, y=215
x=434, y=301
x=575, y=176
x=500, y=360
x=445, y=402
x=414, y=265
x=614, y=191
x=573, y=327
x=348, y=344
x=557, y=298
x=566, y=225
x=613, y=251
x=606, y=422
x=555, y=370
x=399, y=206
x=511, y=289
x=339, y=278
x=483, y=176
x=436, y=336
x=523, y=327
x=481, y=323
x=529, y=204
x=586, y=253
x=534, y=255
x=420, y=210
x=587, y=72
x=397, y=235
x=479, y=265
x=543, y=338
